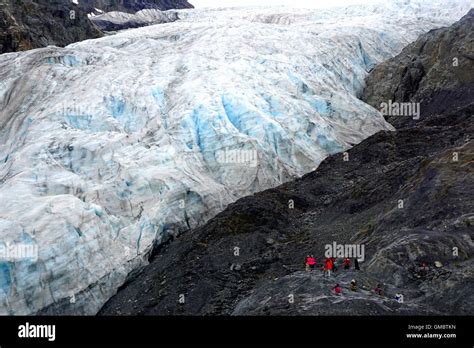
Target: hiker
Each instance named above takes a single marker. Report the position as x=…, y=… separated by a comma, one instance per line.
x=347, y=263
x=356, y=264
x=337, y=289
x=310, y=263
x=328, y=268
x=423, y=269
x=335, y=264
x=399, y=298
x=378, y=290
x=353, y=285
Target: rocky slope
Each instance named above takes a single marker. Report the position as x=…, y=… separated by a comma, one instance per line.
x=405, y=195
x=435, y=71
x=28, y=24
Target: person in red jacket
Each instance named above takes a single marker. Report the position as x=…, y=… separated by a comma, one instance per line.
x=337, y=289
x=347, y=263
x=310, y=262
x=328, y=267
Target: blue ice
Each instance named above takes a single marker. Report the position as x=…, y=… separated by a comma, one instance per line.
x=67, y=60
x=320, y=105
x=79, y=121
x=159, y=96
x=329, y=145
x=5, y=277
x=117, y=106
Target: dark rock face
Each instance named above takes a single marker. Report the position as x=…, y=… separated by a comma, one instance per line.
x=406, y=196
x=28, y=24
x=435, y=71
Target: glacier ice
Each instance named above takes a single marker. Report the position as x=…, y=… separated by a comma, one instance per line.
x=110, y=146
x=116, y=20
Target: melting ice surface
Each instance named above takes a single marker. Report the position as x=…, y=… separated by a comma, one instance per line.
x=109, y=146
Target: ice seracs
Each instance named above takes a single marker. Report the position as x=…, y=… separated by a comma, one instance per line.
x=109, y=146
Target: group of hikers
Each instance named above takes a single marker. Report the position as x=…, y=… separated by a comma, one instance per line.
x=330, y=264
x=353, y=287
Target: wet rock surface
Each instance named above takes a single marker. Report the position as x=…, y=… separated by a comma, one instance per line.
x=405, y=195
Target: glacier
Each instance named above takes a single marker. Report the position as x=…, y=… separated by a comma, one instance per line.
x=109, y=147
